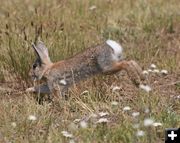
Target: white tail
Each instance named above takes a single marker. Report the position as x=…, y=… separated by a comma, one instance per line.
x=117, y=48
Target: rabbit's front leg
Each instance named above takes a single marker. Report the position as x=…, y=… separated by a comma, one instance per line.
x=43, y=88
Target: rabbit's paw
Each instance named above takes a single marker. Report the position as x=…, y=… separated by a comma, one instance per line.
x=31, y=89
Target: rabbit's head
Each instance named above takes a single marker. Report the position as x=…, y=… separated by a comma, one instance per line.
x=42, y=62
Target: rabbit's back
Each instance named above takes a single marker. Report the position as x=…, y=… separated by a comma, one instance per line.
x=102, y=59
x=84, y=65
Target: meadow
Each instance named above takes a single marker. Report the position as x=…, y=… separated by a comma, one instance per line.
x=103, y=109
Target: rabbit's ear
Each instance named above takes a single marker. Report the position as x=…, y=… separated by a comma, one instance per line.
x=42, y=52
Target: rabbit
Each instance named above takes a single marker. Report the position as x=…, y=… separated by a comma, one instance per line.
x=106, y=58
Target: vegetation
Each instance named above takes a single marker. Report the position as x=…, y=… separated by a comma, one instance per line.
x=97, y=109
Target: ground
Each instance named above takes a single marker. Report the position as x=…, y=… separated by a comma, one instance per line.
x=104, y=108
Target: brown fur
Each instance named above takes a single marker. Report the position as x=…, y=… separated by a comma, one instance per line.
x=96, y=60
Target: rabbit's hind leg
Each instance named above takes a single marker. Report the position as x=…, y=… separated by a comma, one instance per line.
x=133, y=70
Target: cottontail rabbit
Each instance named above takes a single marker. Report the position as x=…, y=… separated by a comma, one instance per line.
x=106, y=58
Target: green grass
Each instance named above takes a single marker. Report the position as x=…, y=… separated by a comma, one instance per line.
x=148, y=31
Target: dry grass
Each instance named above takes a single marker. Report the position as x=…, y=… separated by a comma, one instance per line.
x=148, y=30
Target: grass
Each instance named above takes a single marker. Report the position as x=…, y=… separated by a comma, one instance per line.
x=148, y=31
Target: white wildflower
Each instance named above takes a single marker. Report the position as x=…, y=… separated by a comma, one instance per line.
x=115, y=103
x=103, y=120
x=155, y=71
x=140, y=133
x=83, y=124
x=136, y=126
x=67, y=134
x=32, y=118
x=92, y=7
x=177, y=97
x=62, y=81
x=135, y=114
x=148, y=122
x=71, y=141
x=126, y=108
x=169, y=111
x=156, y=124
x=115, y=88
x=145, y=72
x=146, y=110
x=13, y=124
x=145, y=87
x=93, y=115
x=153, y=66
x=164, y=72
x=77, y=120
x=101, y=114
x=149, y=70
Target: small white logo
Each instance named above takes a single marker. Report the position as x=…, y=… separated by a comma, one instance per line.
x=172, y=135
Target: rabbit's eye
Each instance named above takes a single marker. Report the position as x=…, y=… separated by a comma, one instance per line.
x=34, y=66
